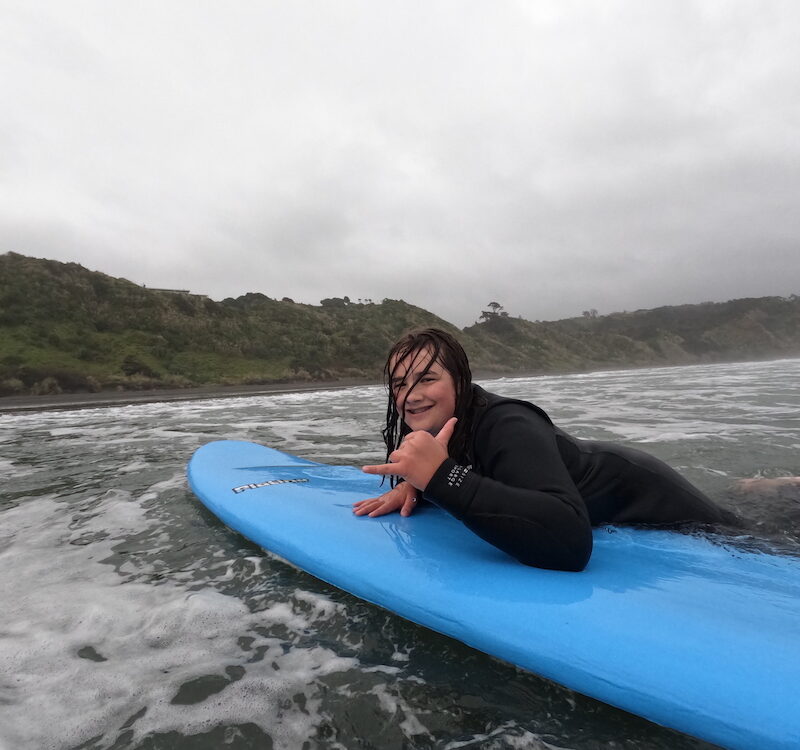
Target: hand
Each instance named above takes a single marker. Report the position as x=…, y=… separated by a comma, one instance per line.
x=418, y=457
x=404, y=497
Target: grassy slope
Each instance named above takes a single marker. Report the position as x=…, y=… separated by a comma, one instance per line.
x=63, y=327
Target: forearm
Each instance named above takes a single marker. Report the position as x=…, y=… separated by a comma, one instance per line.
x=544, y=528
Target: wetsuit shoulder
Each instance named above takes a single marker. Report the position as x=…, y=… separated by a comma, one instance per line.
x=519, y=496
x=486, y=403
x=517, y=440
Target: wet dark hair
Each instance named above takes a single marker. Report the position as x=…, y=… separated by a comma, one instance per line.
x=449, y=354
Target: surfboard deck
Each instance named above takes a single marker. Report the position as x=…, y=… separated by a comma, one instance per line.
x=693, y=635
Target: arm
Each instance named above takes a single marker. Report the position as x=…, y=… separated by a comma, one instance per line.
x=525, y=501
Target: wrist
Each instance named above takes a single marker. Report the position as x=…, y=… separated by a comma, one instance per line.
x=432, y=470
x=452, y=488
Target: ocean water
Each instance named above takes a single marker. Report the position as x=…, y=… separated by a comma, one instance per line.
x=132, y=618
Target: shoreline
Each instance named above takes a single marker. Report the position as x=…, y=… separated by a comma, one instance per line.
x=15, y=404
x=28, y=403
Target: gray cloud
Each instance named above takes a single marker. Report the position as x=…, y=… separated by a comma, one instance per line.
x=553, y=156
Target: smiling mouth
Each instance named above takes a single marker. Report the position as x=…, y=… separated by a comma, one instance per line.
x=418, y=410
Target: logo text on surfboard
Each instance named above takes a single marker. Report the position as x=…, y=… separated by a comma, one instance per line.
x=256, y=485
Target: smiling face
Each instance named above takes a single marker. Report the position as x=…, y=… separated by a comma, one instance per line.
x=424, y=392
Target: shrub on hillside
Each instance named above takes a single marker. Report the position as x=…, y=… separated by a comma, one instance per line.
x=46, y=387
x=11, y=387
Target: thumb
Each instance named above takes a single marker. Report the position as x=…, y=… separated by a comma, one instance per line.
x=444, y=435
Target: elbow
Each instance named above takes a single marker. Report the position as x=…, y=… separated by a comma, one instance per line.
x=566, y=546
x=532, y=544
x=579, y=547
x=571, y=554
x=568, y=559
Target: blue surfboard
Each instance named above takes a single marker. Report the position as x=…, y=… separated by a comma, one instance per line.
x=691, y=634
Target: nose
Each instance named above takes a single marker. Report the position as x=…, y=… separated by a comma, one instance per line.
x=414, y=395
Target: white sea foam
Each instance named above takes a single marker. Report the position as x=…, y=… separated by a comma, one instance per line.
x=177, y=480
x=393, y=704
x=10, y=470
x=504, y=737
x=133, y=466
x=81, y=653
x=300, y=618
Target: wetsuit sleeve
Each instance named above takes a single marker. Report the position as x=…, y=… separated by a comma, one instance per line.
x=523, y=501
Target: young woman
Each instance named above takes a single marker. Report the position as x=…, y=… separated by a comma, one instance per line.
x=503, y=468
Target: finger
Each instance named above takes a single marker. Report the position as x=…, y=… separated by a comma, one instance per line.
x=408, y=506
x=386, y=505
x=364, y=506
x=444, y=435
x=381, y=510
x=366, y=500
x=380, y=469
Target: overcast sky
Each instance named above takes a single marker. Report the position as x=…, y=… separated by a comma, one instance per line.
x=550, y=155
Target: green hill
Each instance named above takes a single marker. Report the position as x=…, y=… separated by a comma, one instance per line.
x=65, y=328
x=743, y=329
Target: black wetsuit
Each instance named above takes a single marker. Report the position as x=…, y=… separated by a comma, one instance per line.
x=535, y=492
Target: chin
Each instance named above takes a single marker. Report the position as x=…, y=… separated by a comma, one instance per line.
x=425, y=426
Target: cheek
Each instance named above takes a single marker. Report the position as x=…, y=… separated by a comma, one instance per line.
x=400, y=399
x=447, y=401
